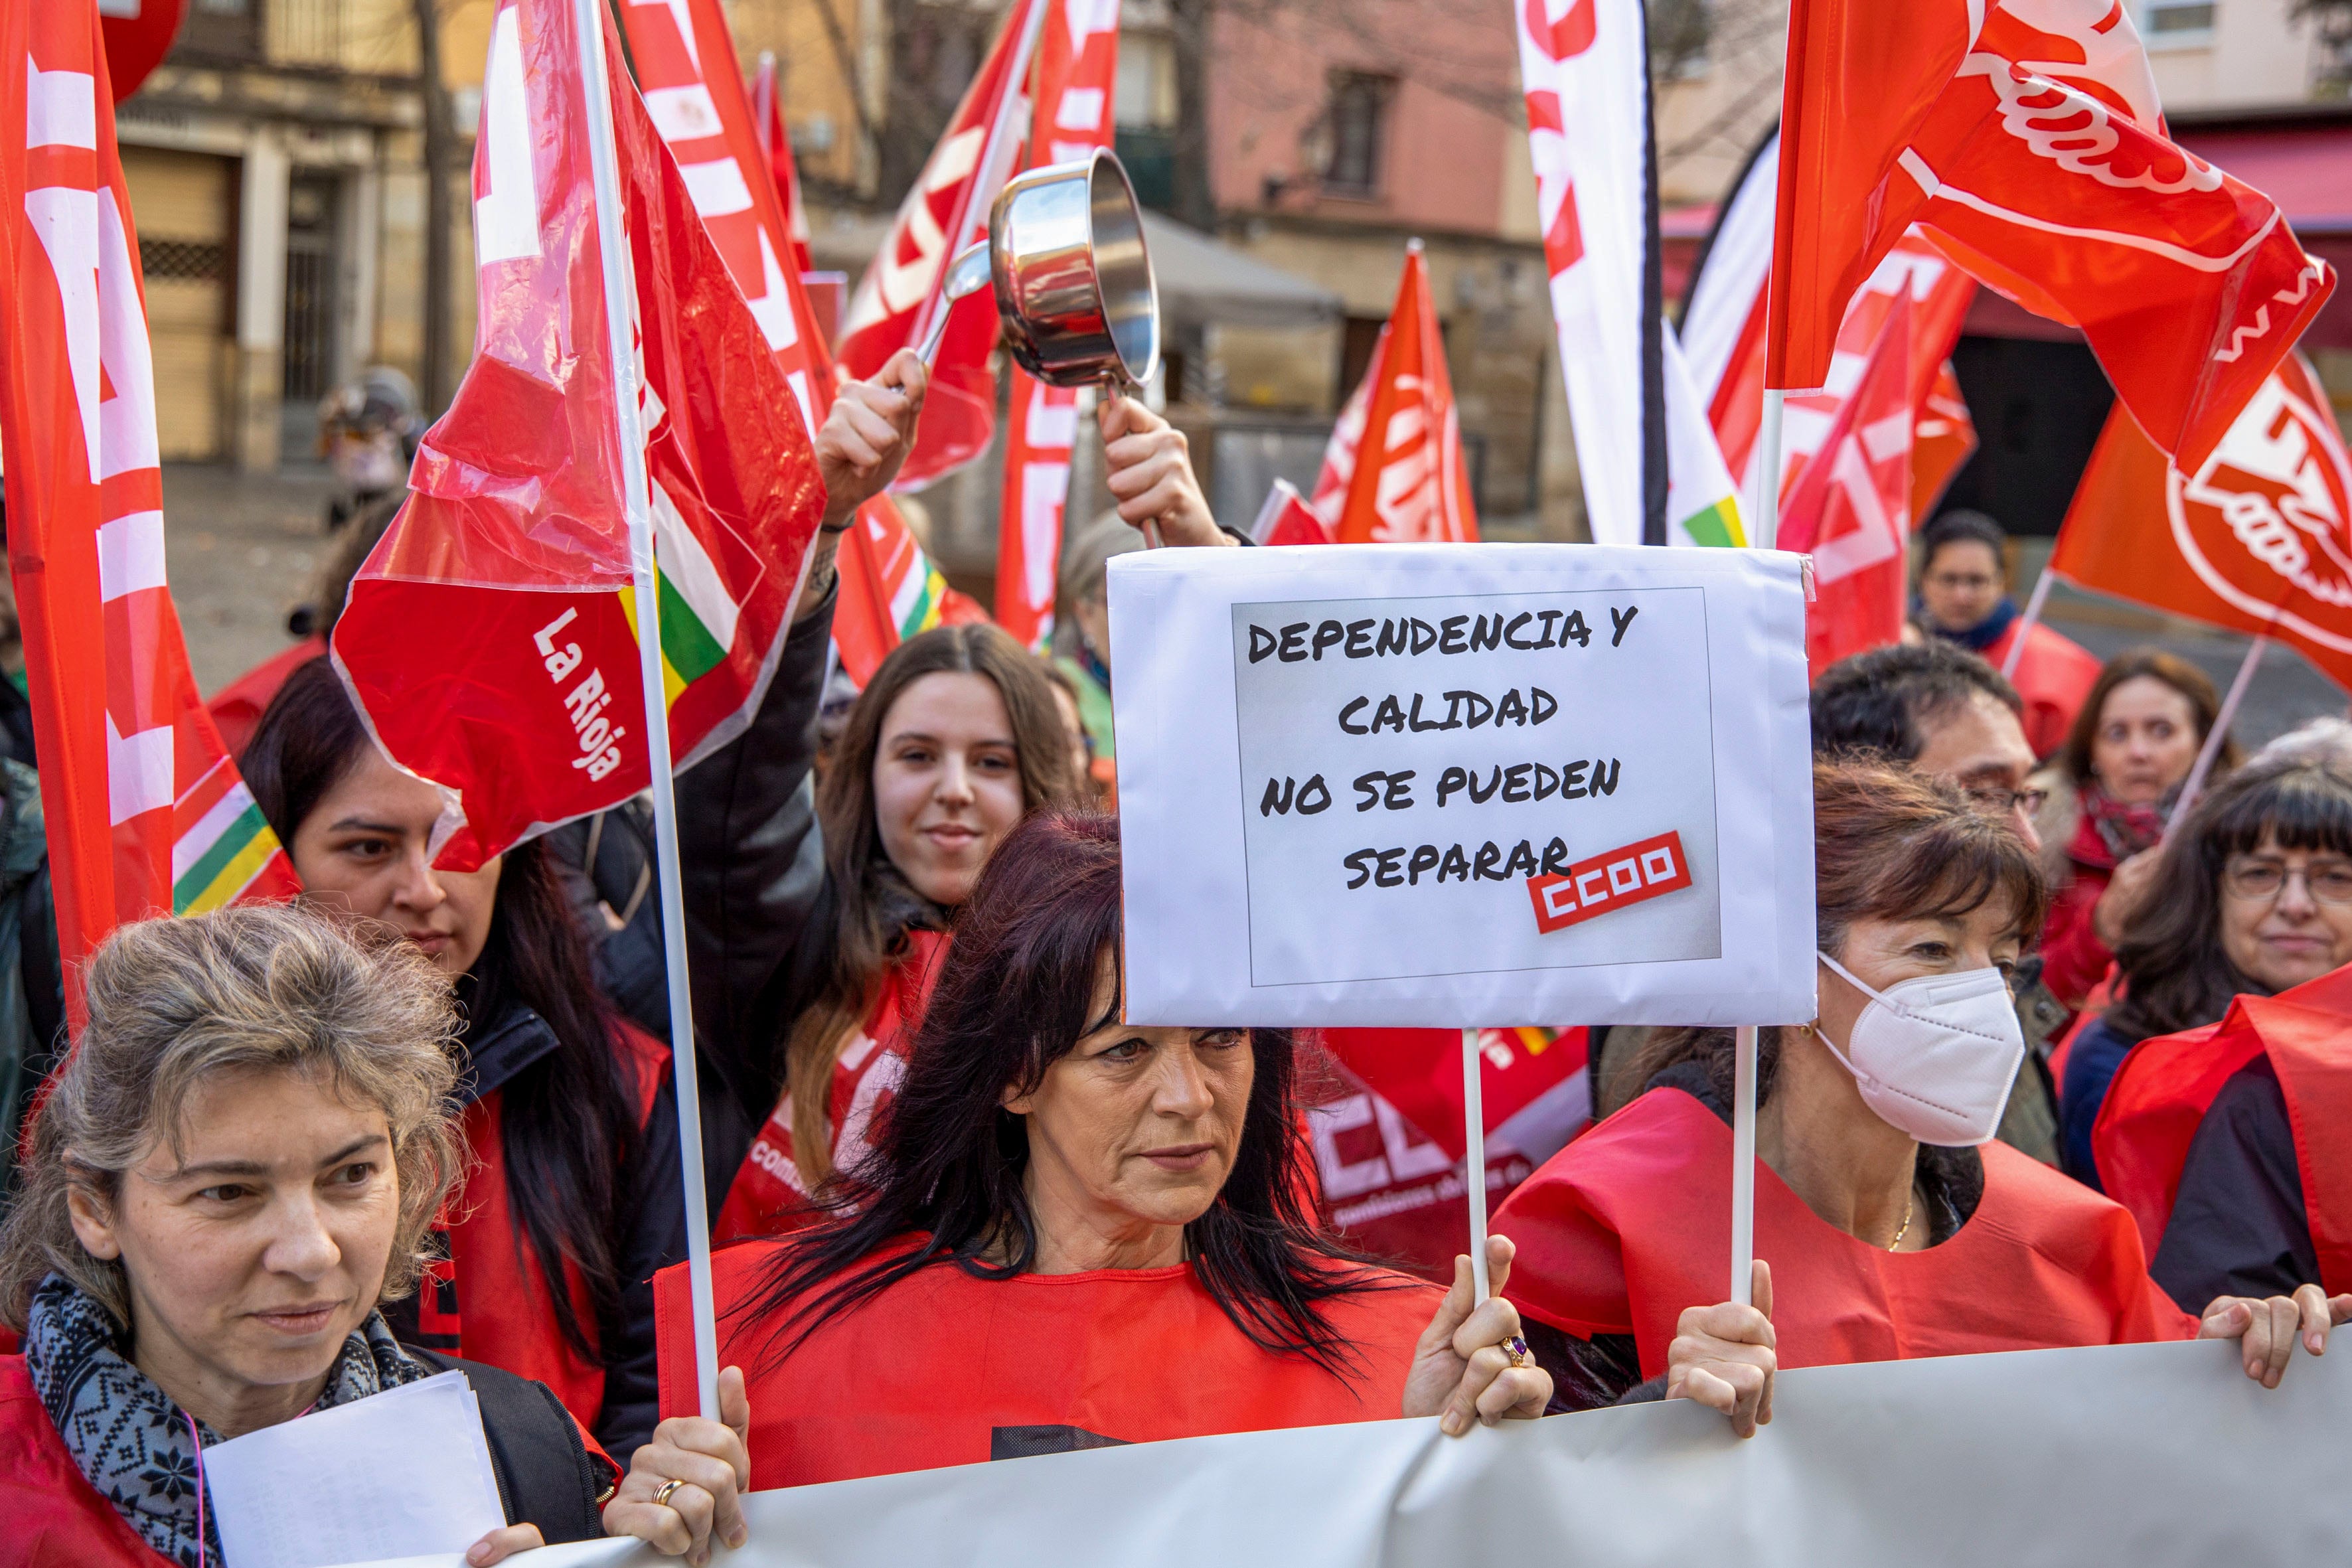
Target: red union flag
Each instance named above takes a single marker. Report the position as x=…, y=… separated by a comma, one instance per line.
x=775, y=141
x=145, y=813
x=1331, y=481
x=1410, y=484
x=2258, y=539
x=1285, y=519
x=1613, y=879
x=1850, y=509
x=946, y=211
x=2039, y=161
x=1077, y=75
x=491, y=638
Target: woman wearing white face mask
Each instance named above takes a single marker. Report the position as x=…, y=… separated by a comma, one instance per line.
x=1897, y=1228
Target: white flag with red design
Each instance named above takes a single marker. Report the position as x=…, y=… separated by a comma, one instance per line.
x=686, y=62
x=1330, y=496
x=776, y=141
x=1584, y=67
x=1077, y=77
x=1723, y=332
x=946, y=211
x=1411, y=485
x=146, y=815
x=1851, y=507
x=490, y=638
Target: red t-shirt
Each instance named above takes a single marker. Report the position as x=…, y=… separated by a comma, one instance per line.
x=945, y=1368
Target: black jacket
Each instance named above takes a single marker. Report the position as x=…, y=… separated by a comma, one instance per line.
x=2240, y=1225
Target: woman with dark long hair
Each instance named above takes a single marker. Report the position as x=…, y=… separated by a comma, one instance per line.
x=1072, y=1231
x=569, y=1111
x=2252, y=894
x=1895, y=1224
x=2110, y=790
x=817, y=908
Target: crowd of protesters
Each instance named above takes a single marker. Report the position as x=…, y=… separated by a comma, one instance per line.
x=423, y=1119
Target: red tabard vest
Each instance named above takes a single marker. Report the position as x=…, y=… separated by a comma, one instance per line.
x=929, y=1374
x=1630, y=1223
x=2162, y=1090
x=50, y=1517
x=489, y=1302
x=767, y=1197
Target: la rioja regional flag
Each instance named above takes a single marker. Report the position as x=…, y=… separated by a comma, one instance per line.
x=2024, y=136
x=146, y=815
x=946, y=211
x=1851, y=508
x=491, y=638
x=1410, y=484
x=1077, y=76
x=2257, y=539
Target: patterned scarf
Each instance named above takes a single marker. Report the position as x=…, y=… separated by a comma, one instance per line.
x=2125, y=830
x=1976, y=638
x=131, y=1443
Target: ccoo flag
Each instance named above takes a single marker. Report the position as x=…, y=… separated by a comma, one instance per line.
x=1409, y=483
x=491, y=638
x=146, y=814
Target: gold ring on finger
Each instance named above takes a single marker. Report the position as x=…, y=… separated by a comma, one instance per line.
x=662, y=1492
x=1516, y=1349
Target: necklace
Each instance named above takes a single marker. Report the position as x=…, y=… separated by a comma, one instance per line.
x=1910, y=1206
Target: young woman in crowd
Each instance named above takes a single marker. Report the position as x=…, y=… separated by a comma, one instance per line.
x=2112, y=788
x=235, y=1171
x=2252, y=894
x=817, y=911
x=1893, y=1223
x=1077, y=1232
x=569, y=1111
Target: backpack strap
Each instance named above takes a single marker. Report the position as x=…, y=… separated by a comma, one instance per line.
x=546, y=1474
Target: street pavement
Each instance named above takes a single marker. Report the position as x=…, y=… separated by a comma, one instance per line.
x=244, y=550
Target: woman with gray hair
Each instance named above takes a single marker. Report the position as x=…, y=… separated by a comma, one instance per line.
x=236, y=1166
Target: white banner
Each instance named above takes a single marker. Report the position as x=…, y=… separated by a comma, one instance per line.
x=1450, y=785
x=2152, y=1456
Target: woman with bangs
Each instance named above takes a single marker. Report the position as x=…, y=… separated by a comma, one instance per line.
x=1892, y=1223
x=2252, y=895
x=1073, y=1232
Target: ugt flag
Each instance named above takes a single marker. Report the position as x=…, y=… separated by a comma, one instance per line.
x=1409, y=483
x=491, y=638
x=2024, y=136
x=146, y=815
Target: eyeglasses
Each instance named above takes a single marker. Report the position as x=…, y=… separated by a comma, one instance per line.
x=2262, y=880
x=2001, y=801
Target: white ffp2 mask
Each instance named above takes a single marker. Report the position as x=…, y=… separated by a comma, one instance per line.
x=1935, y=1056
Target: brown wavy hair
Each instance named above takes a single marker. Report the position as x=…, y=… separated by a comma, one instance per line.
x=1889, y=844
x=874, y=905
x=2157, y=665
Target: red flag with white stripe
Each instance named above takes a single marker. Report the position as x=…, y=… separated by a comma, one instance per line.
x=1411, y=484
x=740, y=184
x=146, y=815
x=1077, y=75
x=775, y=140
x=946, y=211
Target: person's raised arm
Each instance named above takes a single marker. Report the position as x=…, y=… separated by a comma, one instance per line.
x=860, y=448
x=1148, y=466
x=1471, y=1366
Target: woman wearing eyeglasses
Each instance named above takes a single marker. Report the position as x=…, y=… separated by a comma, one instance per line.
x=2253, y=895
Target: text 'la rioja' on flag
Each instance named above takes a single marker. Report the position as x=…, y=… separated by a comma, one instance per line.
x=145, y=813
x=1584, y=67
x=2258, y=539
x=946, y=211
x=1723, y=330
x=1410, y=484
x=491, y=638
x=1077, y=78
x=2024, y=137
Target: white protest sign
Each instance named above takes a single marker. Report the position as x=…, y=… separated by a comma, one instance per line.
x=1463, y=785
x=2164, y=1456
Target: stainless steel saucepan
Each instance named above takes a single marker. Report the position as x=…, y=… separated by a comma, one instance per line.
x=1074, y=289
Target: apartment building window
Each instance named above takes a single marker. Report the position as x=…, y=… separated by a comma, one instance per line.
x=2176, y=23
x=1358, y=115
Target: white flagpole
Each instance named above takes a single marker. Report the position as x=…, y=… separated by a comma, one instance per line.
x=2027, y=622
x=1473, y=1160
x=2211, y=749
x=1767, y=507
x=1743, y=1162
x=620, y=311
